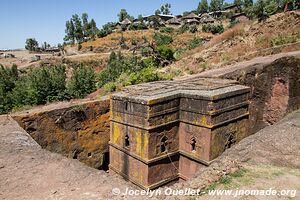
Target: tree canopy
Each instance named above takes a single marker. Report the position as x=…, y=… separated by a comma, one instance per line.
x=31, y=44
x=202, y=7
x=80, y=28
x=123, y=14
x=164, y=9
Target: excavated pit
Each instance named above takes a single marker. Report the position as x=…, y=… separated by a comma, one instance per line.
x=81, y=130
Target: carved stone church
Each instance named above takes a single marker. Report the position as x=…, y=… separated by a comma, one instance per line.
x=165, y=131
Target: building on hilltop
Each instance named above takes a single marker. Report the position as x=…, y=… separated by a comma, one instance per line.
x=233, y=8
x=206, y=18
x=191, y=18
x=174, y=22
x=166, y=131
x=241, y=17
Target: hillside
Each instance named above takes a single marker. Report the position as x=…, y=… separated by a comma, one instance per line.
x=279, y=33
x=111, y=42
x=244, y=41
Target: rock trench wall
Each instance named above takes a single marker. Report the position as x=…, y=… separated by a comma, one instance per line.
x=79, y=132
x=275, y=88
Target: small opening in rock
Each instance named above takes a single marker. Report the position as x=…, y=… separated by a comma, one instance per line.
x=105, y=163
x=163, y=144
x=89, y=154
x=127, y=143
x=126, y=106
x=230, y=141
x=75, y=154
x=193, y=145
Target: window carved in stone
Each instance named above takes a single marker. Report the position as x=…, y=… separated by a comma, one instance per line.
x=193, y=145
x=126, y=141
x=164, y=144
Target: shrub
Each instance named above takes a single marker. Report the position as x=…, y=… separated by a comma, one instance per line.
x=165, y=52
x=138, y=26
x=82, y=82
x=167, y=30
x=146, y=51
x=23, y=94
x=178, y=53
x=214, y=29
x=102, y=33
x=195, y=42
x=193, y=29
x=162, y=39
x=8, y=76
x=42, y=85
x=145, y=75
x=48, y=83
x=116, y=66
x=184, y=28
x=150, y=62
x=79, y=47
x=134, y=41
x=284, y=39
x=110, y=87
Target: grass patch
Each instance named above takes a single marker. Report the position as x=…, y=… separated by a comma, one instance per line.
x=212, y=186
x=285, y=39
x=239, y=173
x=225, y=180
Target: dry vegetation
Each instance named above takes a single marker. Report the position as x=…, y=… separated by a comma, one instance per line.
x=279, y=33
x=111, y=41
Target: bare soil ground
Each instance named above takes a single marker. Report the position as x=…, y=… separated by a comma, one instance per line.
x=22, y=58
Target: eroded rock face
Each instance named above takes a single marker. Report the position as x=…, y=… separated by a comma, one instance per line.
x=79, y=132
x=275, y=89
x=274, y=83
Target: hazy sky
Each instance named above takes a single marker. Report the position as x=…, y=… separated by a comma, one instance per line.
x=45, y=20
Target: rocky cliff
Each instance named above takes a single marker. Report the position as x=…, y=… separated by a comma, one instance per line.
x=79, y=131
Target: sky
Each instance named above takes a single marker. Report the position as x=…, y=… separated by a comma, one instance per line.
x=45, y=20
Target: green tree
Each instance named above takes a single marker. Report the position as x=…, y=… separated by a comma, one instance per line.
x=162, y=39
x=93, y=30
x=165, y=53
x=238, y=2
x=70, y=32
x=271, y=7
x=166, y=9
x=259, y=9
x=23, y=93
x=48, y=83
x=216, y=5
x=79, y=36
x=8, y=78
x=83, y=82
x=31, y=44
x=202, y=7
x=248, y=3
x=85, y=24
x=123, y=15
